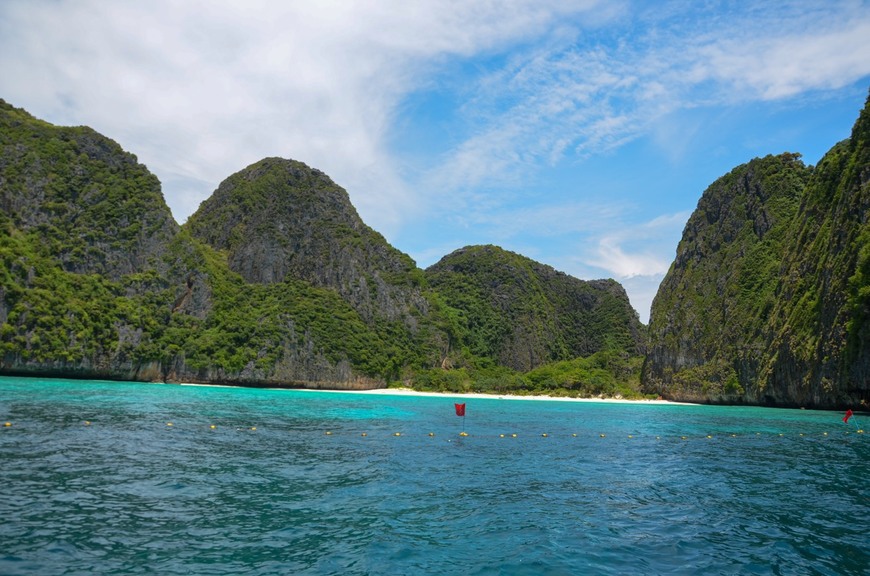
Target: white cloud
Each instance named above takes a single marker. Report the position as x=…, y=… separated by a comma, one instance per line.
x=631, y=250
x=636, y=255
x=610, y=256
x=584, y=93
x=200, y=89
x=782, y=66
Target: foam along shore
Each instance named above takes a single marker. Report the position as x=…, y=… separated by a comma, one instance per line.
x=476, y=396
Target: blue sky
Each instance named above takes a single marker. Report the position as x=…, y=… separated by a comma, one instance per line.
x=578, y=133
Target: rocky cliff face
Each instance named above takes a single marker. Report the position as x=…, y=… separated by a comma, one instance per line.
x=524, y=314
x=84, y=231
x=707, y=320
x=94, y=206
x=97, y=280
x=767, y=299
x=279, y=218
x=819, y=353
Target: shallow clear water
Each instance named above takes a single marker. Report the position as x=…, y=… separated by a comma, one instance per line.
x=268, y=491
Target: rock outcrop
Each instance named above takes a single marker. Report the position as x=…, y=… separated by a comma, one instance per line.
x=98, y=210
x=279, y=218
x=767, y=300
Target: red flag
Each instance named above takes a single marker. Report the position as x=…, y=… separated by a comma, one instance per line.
x=848, y=415
x=460, y=409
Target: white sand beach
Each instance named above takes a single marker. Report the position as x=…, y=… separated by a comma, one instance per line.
x=473, y=396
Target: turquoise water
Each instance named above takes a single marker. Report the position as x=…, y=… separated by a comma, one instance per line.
x=95, y=481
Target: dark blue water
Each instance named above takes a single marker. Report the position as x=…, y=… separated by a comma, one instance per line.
x=93, y=480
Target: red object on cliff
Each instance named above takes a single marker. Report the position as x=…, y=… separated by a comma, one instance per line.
x=460, y=409
x=848, y=415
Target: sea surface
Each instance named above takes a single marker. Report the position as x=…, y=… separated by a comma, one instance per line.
x=132, y=478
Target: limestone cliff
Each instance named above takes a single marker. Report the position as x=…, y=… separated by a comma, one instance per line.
x=279, y=218
x=767, y=299
x=96, y=209
x=98, y=281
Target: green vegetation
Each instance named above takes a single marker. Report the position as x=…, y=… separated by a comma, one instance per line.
x=95, y=278
x=523, y=314
x=768, y=299
x=94, y=207
x=603, y=374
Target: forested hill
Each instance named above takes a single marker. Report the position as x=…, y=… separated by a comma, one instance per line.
x=280, y=219
x=274, y=281
x=768, y=300
x=525, y=314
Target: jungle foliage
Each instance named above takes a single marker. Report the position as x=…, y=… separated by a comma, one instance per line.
x=525, y=314
x=275, y=281
x=767, y=300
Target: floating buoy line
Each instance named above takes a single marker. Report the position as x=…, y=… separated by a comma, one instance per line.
x=464, y=434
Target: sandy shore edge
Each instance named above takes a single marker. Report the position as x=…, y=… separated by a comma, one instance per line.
x=479, y=396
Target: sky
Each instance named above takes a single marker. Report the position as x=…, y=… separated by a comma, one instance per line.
x=578, y=133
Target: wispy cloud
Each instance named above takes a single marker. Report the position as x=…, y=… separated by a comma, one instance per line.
x=638, y=255
x=586, y=92
x=638, y=249
x=827, y=53
x=203, y=88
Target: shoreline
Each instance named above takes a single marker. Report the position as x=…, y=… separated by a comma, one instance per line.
x=482, y=396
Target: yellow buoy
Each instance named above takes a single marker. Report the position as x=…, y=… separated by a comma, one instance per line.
x=8, y=424
x=682, y=437
x=169, y=423
x=573, y=435
x=708, y=436
x=860, y=431
x=601, y=435
x=363, y=434
x=463, y=433
x=431, y=434
x=328, y=433
x=87, y=422
x=212, y=426
x=824, y=433
x=544, y=434
x=630, y=436
x=253, y=428
x=397, y=434
x=501, y=435
x=513, y=435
